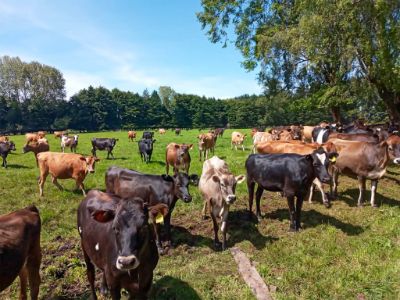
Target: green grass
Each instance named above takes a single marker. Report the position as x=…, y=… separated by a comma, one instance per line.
x=343, y=252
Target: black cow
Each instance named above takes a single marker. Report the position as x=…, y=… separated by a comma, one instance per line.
x=116, y=237
x=104, y=144
x=146, y=149
x=291, y=174
x=219, y=132
x=5, y=148
x=153, y=189
x=148, y=135
x=178, y=131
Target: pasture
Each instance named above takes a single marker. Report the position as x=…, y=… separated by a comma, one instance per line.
x=343, y=252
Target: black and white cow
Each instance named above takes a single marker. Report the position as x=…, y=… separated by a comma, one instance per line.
x=104, y=144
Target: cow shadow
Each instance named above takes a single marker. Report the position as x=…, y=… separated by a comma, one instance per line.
x=350, y=196
x=158, y=162
x=395, y=180
x=242, y=228
x=312, y=218
x=16, y=166
x=182, y=236
x=169, y=287
x=391, y=172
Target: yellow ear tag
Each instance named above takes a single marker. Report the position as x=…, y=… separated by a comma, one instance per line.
x=159, y=218
x=333, y=159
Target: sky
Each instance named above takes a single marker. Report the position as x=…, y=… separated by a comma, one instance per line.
x=130, y=45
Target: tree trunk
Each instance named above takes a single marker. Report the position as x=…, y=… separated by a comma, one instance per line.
x=392, y=102
x=335, y=111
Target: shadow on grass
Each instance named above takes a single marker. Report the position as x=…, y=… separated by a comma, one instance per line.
x=173, y=288
x=395, y=180
x=180, y=236
x=313, y=218
x=16, y=166
x=352, y=198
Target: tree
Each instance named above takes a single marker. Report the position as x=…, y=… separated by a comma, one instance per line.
x=167, y=95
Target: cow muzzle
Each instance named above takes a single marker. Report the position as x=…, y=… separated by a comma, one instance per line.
x=125, y=263
x=187, y=198
x=397, y=161
x=326, y=179
x=230, y=199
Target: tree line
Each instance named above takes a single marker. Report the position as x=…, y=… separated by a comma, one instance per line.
x=32, y=97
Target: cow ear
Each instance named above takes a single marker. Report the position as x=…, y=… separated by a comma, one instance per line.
x=190, y=146
x=158, y=209
x=177, y=146
x=82, y=158
x=103, y=216
x=240, y=179
x=215, y=178
x=332, y=156
x=289, y=129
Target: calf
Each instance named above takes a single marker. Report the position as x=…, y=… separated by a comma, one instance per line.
x=217, y=187
x=177, y=155
x=237, y=139
x=153, y=189
x=5, y=149
x=64, y=166
x=104, y=144
x=363, y=160
x=20, y=253
x=206, y=143
x=131, y=135
x=116, y=238
x=291, y=174
x=146, y=149
x=36, y=148
x=71, y=142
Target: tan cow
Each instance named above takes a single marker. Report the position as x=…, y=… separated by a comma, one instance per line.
x=31, y=137
x=177, y=155
x=36, y=148
x=64, y=166
x=260, y=137
x=237, y=139
x=131, y=135
x=20, y=252
x=161, y=131
x=206, y=143
x=217, y=187
x=59, y=134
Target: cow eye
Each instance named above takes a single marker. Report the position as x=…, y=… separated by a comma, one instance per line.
x=391, y=148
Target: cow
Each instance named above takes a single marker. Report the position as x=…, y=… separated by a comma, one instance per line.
x=148, y=135
x=5, y=149
x=64, y=166
x=291, y=174
x=117, y=239
x=307, y=133
x=161, y=131
x=131, y=135
x=20, y=252
x=4, y=138
x=31, y=137
x=217, y=187
x=71, y=142
x=104, y=144
x=36, y=148
x=302, y=149
x=260, y=137
x=363, y=160
x=177, y=131
x=206, y=143
x=237, y=139
x=177, y=155
x=153, y=189
x=59, y=134
x=146, y=149
x=219, y=132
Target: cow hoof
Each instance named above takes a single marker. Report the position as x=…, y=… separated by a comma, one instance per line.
x=374, y=205
x=217, y=246
x=327, y=204
x=259, y=218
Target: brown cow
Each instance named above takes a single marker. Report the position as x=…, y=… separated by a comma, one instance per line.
x=177, y=155
x=161, y=131
x=206, y=143
x=31, y=137
x=59, y=134
x=4, y=138
x=131, y=135
x=363, y=160
x=217, y=186
x=36, y=148
x=237, y=139
x=64, y=166
x=20, y=253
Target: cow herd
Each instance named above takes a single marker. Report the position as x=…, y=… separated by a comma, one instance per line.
x=120, y=228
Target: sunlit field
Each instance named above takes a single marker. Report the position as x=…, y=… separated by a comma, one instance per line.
x=343, y=252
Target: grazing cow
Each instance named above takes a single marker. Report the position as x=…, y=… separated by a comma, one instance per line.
x=217, y=187
x=5, y=149
x=154, y=189
x=131, y=135
x=161, y=131
x=177, y=131
x=146, y=149
x=64, y=166
x=219, y=132
x=116, y=238
x=206, y=143
x=71, y=142
x=4, y=138
x=291, y=174
x=363, y=160
x=31, y=137
x=237, y=139
x=177, y=155
x=20, y=253
x=59, y=134
x=104, y=144
x=36, y=148
x=148, y=135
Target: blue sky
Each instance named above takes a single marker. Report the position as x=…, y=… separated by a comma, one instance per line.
x=131, y=45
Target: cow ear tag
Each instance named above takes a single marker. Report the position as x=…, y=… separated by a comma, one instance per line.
x=159, y=218
x=332, y=159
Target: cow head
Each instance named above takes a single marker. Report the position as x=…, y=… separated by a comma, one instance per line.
x=321, y=160
x=393, y=143
x=181, y=185
x=202, y=137
x=76, y=136
x=113, y=142
x=11, y=145
x=182, y=150
x=227, y=184
x=130, y=225
x=90, y=163
x=296, y=132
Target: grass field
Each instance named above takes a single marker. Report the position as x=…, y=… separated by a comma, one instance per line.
x=343, y=252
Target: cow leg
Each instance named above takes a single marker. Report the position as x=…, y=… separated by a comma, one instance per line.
x=55, y=182
x=217, y=243
x=94, y=152
x=292, y=213
x=33, y=271
x=203, y=211
x=319, y=185
x=90, y=272
x=374, y=185
x=115, y=293
x=243, y=147
x=167, y=224
x=166, y=166
x=224, y=225
x=250, y=188
x=259, y=193
x=299, y=204
x=361, y=186
x=112, y=154
x=311, y=192
x=200, y=155
x=334, y=183
x=42, y=180
x=103, y=286
x=4, y=162
x=23, y=279
x=79, y=183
